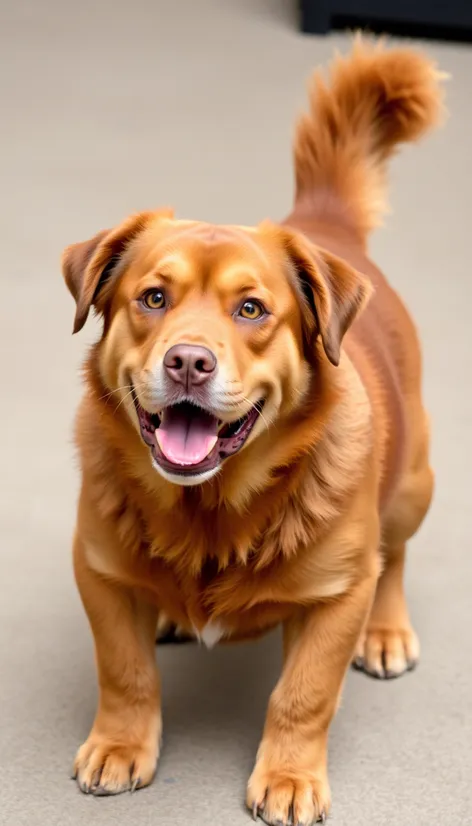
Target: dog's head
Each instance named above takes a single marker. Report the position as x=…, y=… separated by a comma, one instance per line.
x=210, y=332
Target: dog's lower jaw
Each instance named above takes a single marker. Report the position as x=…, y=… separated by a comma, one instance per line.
x=185, y=480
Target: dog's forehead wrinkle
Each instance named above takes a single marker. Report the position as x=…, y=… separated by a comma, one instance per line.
x=212, y=238
x=214, y=233
x=206, y=255
x=173, y=258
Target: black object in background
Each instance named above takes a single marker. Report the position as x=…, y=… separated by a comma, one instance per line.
x=445, y=19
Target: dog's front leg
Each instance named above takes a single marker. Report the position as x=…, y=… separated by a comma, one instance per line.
x=289, y=783
x=122, y=749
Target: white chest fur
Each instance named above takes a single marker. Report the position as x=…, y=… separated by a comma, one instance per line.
x=211, y=633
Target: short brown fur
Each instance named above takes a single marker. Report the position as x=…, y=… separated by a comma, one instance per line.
x=307, y=525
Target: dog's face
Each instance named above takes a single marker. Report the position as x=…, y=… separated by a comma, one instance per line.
x=209, y=332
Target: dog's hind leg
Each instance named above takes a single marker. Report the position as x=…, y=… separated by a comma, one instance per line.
x=389, y=645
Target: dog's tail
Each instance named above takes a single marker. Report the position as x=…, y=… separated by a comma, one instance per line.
x=375, y=99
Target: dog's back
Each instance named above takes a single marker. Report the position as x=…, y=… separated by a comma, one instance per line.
x=376, y=99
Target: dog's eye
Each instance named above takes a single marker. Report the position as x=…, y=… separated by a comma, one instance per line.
x=251, y=310
x=153, y=299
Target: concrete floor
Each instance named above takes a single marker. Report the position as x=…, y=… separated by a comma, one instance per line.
x=108, y=107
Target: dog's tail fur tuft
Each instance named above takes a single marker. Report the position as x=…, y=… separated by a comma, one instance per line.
x=376, y=99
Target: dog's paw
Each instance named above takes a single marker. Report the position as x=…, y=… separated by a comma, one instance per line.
x=287, y=798
x=103, y=767
x=386, y=653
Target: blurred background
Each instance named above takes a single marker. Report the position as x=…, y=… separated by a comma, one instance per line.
x=108, y=107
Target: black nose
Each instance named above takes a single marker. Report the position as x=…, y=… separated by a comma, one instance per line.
x=189, y=364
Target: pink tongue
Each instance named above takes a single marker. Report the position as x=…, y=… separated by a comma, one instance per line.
x=186, y=436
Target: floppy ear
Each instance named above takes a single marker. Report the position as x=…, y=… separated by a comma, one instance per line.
x=87, y=266
x=75, y=260
x=335, y=291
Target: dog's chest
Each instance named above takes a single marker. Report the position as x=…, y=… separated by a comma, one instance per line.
x=229, y=593
x=218, y=606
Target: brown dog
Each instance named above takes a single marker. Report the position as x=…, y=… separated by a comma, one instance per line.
x=250, y=455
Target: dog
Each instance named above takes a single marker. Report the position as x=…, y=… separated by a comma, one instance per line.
x=253, y=442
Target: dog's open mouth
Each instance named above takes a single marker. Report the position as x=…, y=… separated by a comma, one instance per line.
x=187, y=440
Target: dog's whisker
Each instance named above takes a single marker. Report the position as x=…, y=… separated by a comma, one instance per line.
x=112, y=392
x=123, y=399
x=128, y=387
x=254, y=406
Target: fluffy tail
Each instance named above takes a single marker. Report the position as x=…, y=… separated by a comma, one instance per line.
x=375, y=100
